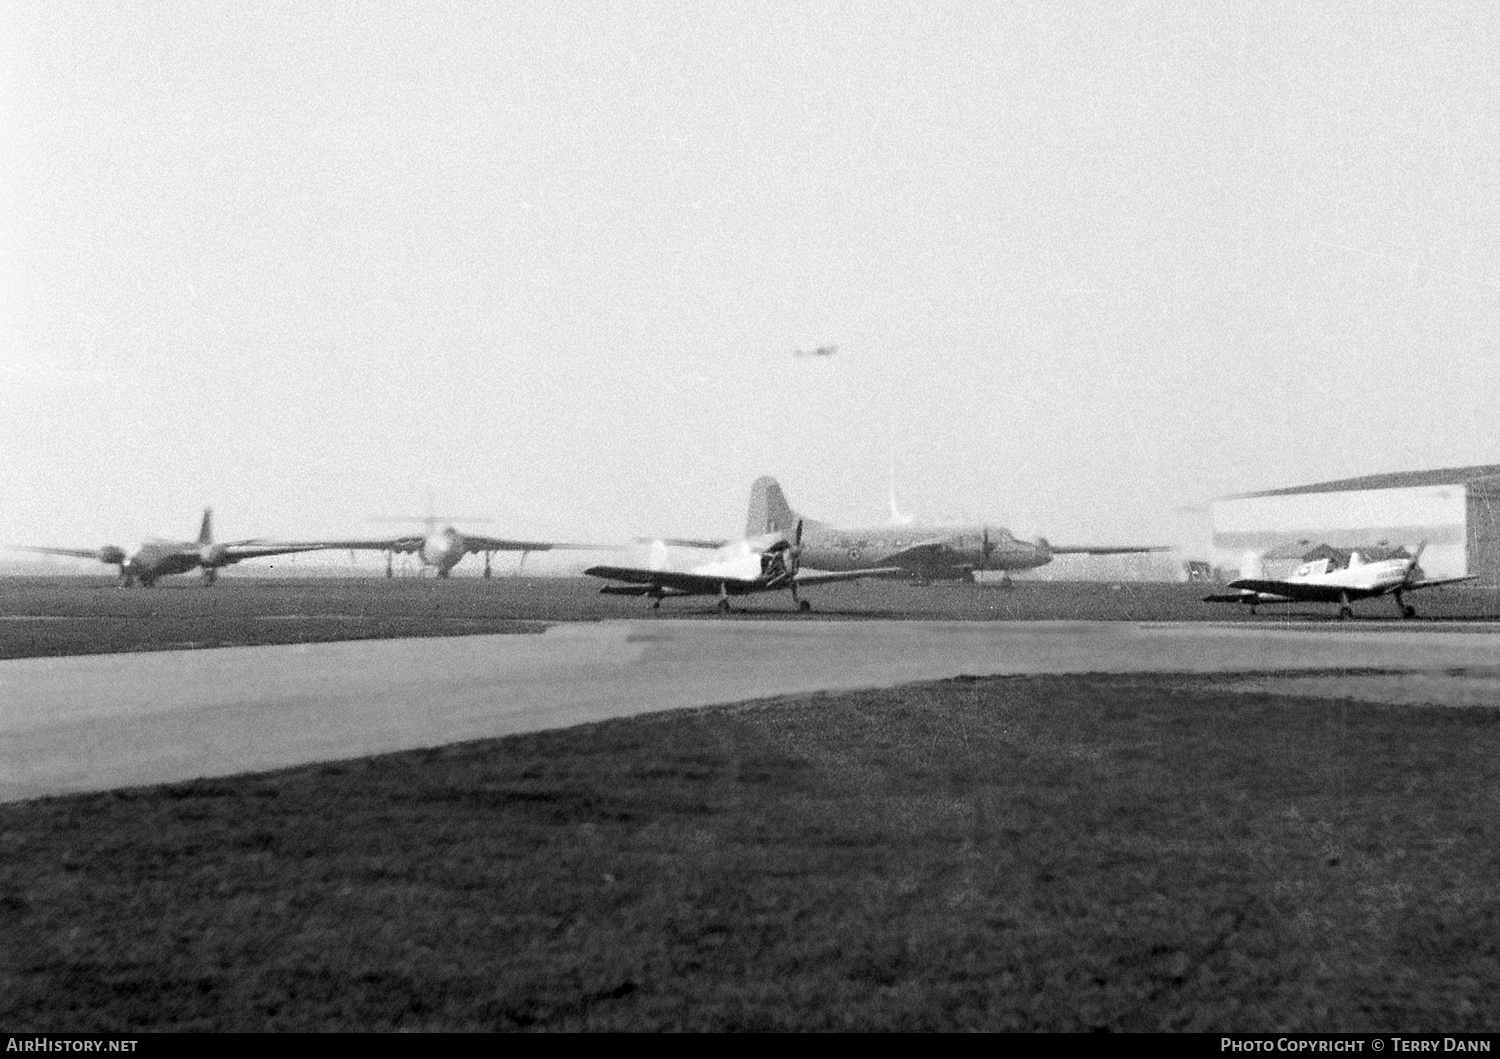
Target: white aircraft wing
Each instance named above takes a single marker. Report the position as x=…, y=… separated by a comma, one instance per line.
x=823, y=577
x=679, y=582
x=1303, y=591
x=1107, y=549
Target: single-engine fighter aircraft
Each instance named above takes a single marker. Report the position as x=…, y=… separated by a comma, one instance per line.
x=158, y=558
x=924, y=553
x=767, y=563
x=1320, y=581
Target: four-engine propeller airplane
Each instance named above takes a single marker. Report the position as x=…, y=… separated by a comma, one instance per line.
x=1320, y=581
x=767, y=562
x=925, y=553
x=158, y=558
x=443, y=549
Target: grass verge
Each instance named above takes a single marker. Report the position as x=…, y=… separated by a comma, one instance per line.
x=1055, y=853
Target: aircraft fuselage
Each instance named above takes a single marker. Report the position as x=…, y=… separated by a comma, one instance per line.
x=443, y=550
x=159, y=558
x=956, y=551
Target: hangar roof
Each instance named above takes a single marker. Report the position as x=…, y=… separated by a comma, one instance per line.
x=1396, y=480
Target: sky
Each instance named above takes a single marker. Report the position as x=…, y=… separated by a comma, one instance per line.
x=1085, y=264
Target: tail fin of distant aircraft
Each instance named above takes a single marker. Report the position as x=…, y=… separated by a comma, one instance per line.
x=769, y=511
x=206, y=530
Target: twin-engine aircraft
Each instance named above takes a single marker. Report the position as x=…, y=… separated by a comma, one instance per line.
x=924, y=553
x=768, y=562
x=1321, y=581
x=158, y=558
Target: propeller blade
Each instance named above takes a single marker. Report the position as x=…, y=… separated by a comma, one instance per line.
x=1411, y=567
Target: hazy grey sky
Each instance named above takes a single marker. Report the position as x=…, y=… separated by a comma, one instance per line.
x=1084, y=263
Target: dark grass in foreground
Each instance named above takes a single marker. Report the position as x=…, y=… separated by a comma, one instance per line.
x=1032, y=853
x=50, y=616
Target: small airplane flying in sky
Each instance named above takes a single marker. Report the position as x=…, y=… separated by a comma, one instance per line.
x=158, y=558
x=821, y=351
x=768, y=562
x=1321, y=581
x=442, y=549
x=926, y=553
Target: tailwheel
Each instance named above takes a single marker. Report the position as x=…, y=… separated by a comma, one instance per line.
x=723, y=606
x=804, y=606
x=1345, y=612
x=1408, y=611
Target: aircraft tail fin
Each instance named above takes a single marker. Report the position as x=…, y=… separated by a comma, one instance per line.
x=769, y=511
x=206, y=529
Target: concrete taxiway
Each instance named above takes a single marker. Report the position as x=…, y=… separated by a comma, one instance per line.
x=104, y=721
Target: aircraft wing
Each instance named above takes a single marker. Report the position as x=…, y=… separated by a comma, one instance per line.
x=924, y=553
x=81, y=553
x=1433, y=582
x=1107, y=549
x=411, y=542
x=823, y=577
x=237, y=550
x=475, y=543
x=682, y=542
x=1303, y=591
x=681, y=582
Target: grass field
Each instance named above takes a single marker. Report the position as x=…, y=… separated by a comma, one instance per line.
x=77, y=615
x=1011, y=853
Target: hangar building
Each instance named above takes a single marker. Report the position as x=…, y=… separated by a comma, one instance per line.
x=1456, y=511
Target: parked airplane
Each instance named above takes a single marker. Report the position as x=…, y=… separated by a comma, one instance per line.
x=767, y=562
x=1321, y=581
x=926, y=553
x=442, y=549
x=159, y=558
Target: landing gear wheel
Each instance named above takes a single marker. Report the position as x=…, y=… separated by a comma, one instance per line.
x=656, y=604
x=1408, y=611
x=723, y=606
x=804, y=606
x=1345, y=613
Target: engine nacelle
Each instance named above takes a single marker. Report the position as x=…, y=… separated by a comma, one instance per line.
x=111, y=554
